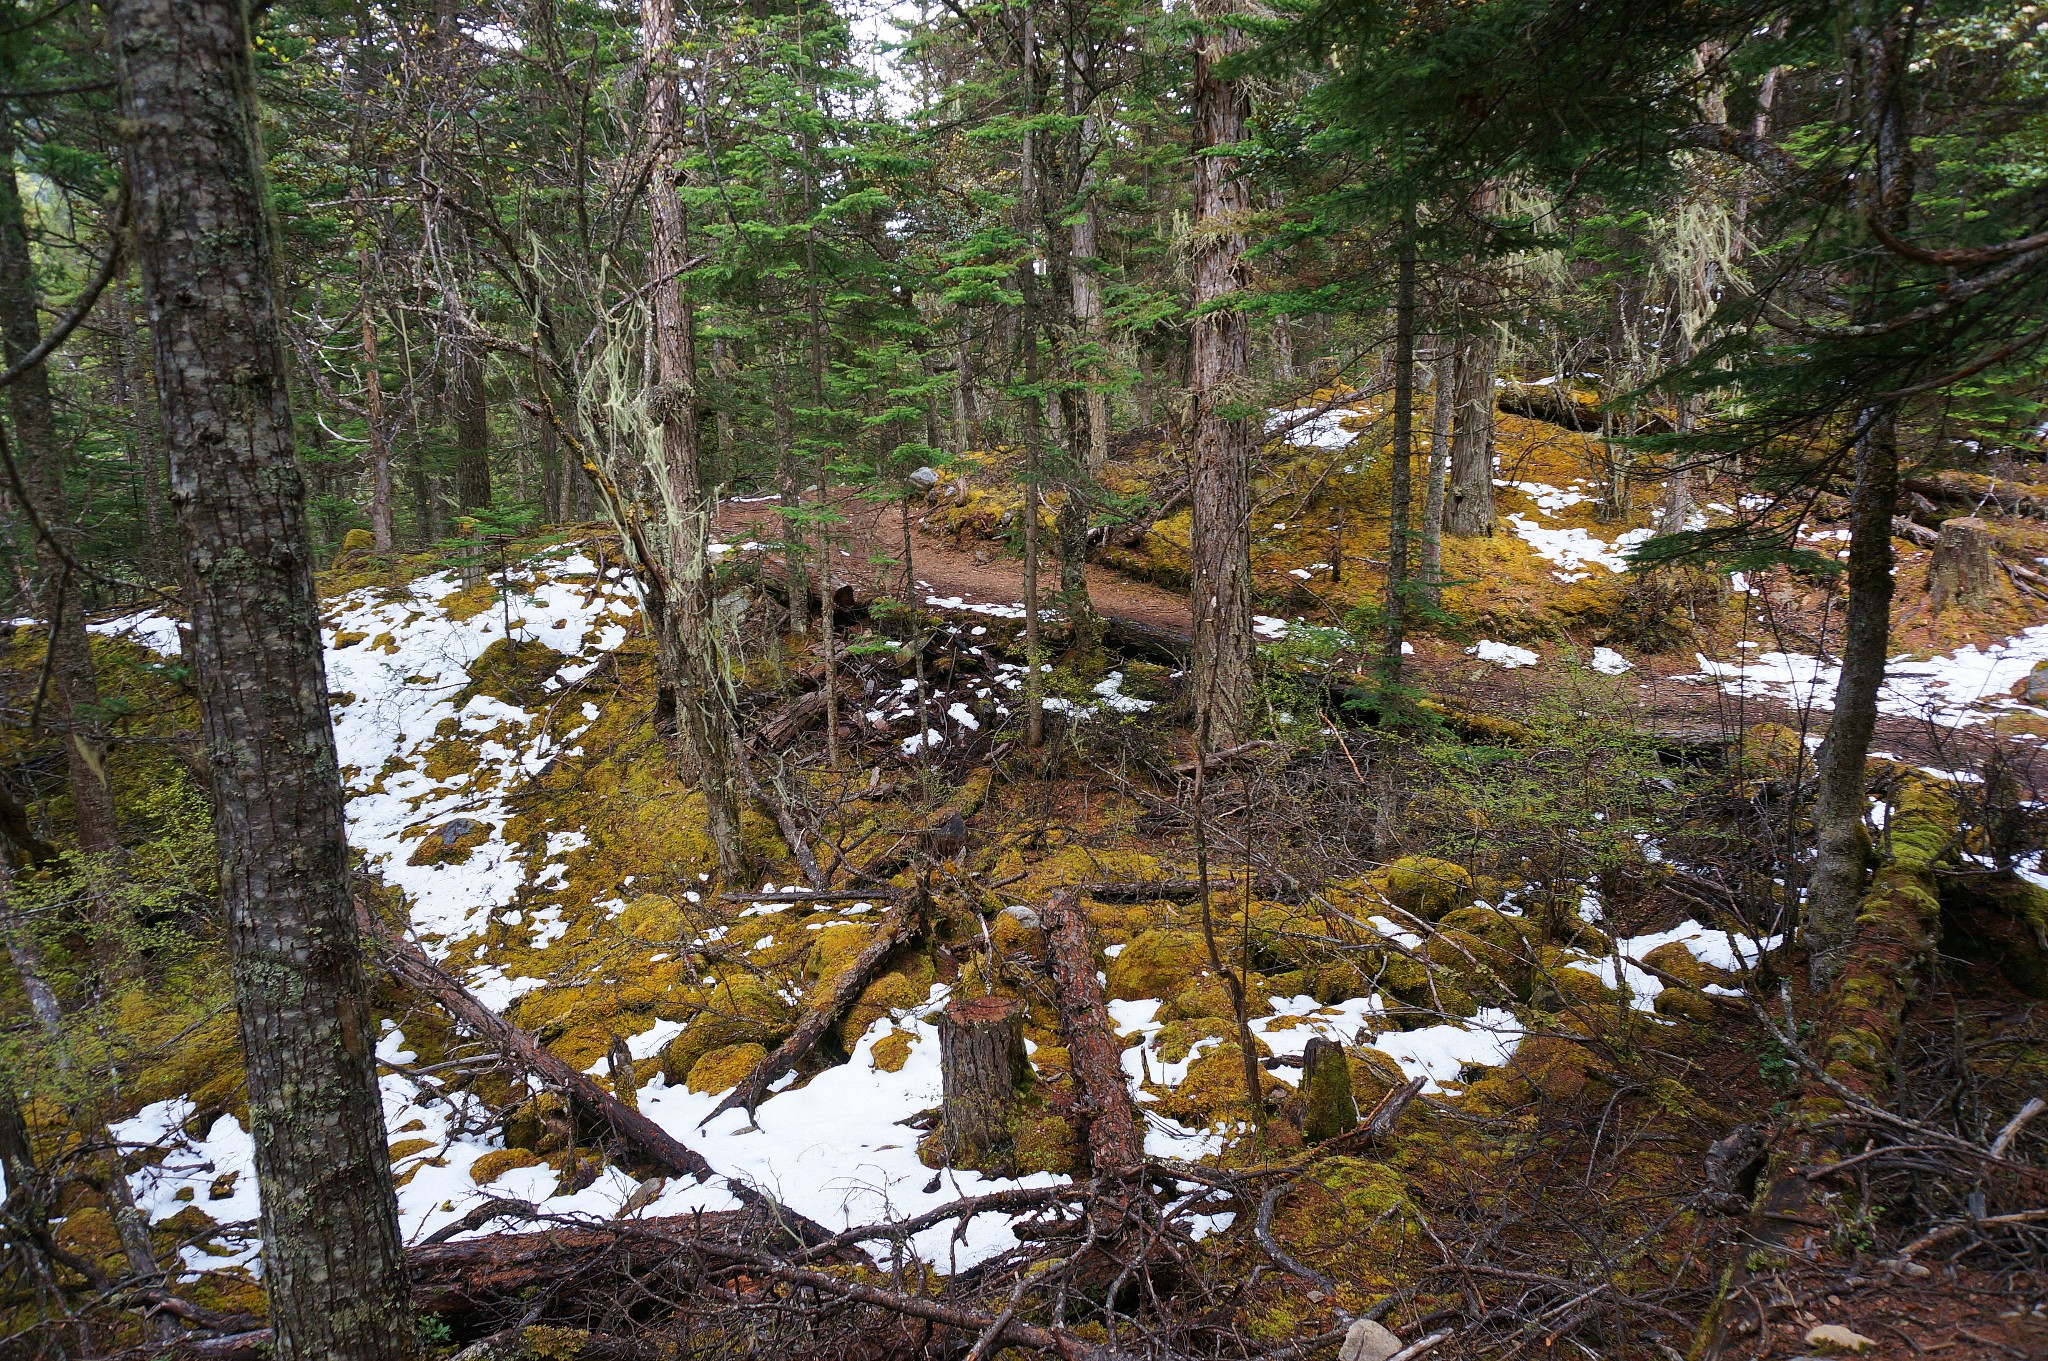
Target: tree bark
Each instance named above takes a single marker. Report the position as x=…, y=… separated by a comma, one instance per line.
x=1469, y=510
x=1032, y=400
x=982, y=1067
x=73, y=698
x=1961, y=571
x=333, y=1269
x=1221, y=594
x=1841, y=843
x=472, y=415
x=1115, y=1134
x=790, y=480
x=688, y=646
x=1329, y=1109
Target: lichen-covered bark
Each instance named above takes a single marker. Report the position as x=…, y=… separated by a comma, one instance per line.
x=333, y=1266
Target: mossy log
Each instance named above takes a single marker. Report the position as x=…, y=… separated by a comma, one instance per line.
x=1115, y=1137
x=1896, y=928
x=896, y=929
x=982, y=1068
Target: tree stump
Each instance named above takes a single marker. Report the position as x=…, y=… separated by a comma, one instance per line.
x=1329, y=1109
x=982, y=1066
x=1961, y=570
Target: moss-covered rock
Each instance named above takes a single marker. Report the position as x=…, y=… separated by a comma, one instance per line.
x=721, y=1069
x=1673, y=958
x=513, y=670
x=892, y=1051
x=451, y=843
x=1209, y=995
x=745, y=1010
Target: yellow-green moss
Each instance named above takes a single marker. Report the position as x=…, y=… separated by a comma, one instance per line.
x=722, y=1068
x=498, y=1162
x=1158, y=963
x=1428, y=888
x=892, y=1051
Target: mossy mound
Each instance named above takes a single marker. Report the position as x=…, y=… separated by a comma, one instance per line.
x=1209, y=995
x=745, y=1010
x=498, y=1162
x=451, y=843
x=1158, y=963
x=892, y=1051
x=723, y=1068
x=1557, y=984
x=1429, y=888
x=1543, y=1068
x=1774, y=752
x=1213, y=1090
x=513, y=670
x=903, y=987
x=1673, y=958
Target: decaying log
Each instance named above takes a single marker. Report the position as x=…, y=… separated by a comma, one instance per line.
x=1116, y=1139
x=896, y=929
x=1158, y=641
x=408, y=964
x=981, y=1067
x=800, y=715
x=1975, y=489
x=803, y=895
x=1961, y=570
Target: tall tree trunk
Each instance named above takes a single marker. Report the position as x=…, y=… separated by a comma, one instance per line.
x=1033, y=401
x=1841, y=846
x=73, y=697
x=1086, y=286
x=1221, y=595
x=1469, y=510
x=1401, y=493
x=966, y=416
x=1443, y=376
x=333, y=1268
x=688, y=643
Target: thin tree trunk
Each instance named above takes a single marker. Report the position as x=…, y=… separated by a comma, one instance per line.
x=73, y=698
x=1841, y=845
x=1443, y=376
x=1401, y=493
x=333, y=1268
x=1221, y=596
x=966, y=417
x=472, y=425
x=382, y=525
x=789, y=478
x=138, y=391
x=1033, y=402
x=687, y=643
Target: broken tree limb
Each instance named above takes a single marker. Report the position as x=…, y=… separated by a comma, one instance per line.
x=897, y=928
x=783, y=727
x=1116, y=1139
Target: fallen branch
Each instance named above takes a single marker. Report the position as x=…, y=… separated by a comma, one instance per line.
x=896, y=929
x=1116, y=1142
x=407, y=963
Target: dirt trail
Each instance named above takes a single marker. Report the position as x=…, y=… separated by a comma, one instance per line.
x=1672, y=704
x=990, y=577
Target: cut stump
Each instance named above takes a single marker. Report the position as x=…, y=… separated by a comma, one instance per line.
x=1961, y=571
x=982, y=1068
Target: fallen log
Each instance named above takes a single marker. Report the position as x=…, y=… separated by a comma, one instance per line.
x=896, y=929
x=1170, y=645
x=1115, y=1136
x=784, y=726
x=802, y=895
x=1953, y=487
x=407, y=963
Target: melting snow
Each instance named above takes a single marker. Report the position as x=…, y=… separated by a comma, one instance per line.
x=1960, y=690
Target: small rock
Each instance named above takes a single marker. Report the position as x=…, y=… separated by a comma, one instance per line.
x=924, y=479
x=1025, y=917
x=455, y=829
x=2037, y=684
x=1835, y=1337
x=1367, y=1340
x=1906, y=1266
